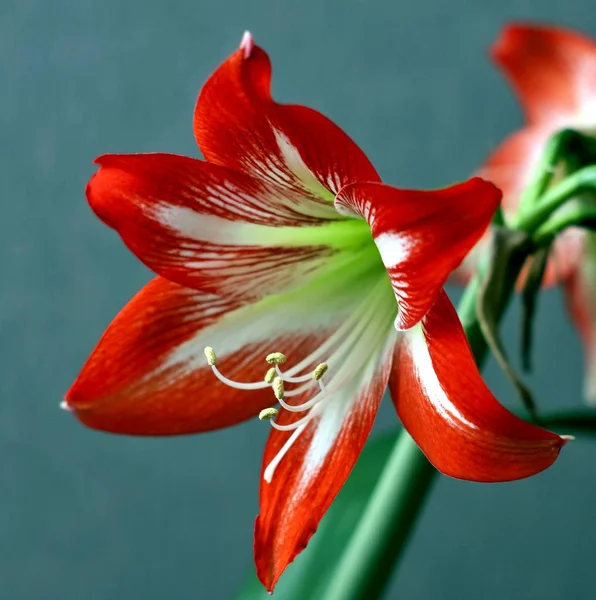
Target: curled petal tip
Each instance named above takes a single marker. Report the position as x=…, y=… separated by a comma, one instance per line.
x=567, y=438
x=247, y=44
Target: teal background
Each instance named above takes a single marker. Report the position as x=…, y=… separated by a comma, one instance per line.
x=88, y=516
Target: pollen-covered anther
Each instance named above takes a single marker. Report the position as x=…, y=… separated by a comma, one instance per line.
x=211, y=356
x=268, y=413
x=319, y=371
x=278, y=388
x=276, y=358
x=270, y=375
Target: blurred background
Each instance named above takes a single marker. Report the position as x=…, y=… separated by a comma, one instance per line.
x=84, y=515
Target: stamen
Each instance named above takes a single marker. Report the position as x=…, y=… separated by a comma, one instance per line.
x=299, y=390
x=305, y=405
x=276, y=379
x=212, y=359
x=320, y=371
x=278, y=388
x=270, y=470
x=294, y=425
x=270, y=375
x=268, y=413
x=211, y=356
x=289, y=379
x=276, y=358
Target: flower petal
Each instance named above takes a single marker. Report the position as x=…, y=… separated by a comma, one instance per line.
x=148, y=373
x=452, y=415
x=308, y=476
x=552, y=69
x=580, y=294
x=213, y=229
x=237, y=124
x=421, y=235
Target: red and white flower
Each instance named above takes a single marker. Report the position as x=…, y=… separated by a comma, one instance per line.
x=284, y=238
x=553, y=72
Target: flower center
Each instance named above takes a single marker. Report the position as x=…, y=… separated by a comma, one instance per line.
x=276, y=379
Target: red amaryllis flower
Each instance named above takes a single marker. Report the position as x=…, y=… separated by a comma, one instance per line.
x=265, y=246
x=553, y=72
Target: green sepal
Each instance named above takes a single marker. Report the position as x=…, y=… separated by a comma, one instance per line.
x=508, y=252
x=530, y=292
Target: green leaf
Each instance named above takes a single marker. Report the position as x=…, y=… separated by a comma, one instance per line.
x=508, y=247
x=530, y=294
x=308, y=575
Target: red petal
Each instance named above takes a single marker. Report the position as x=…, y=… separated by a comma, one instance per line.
x=552, y=69
x=421, y=235
x=511, y=165
x=310, y=475
x=207, y=227
x=148, y=374
x=237, y=124
x=452, y=415
x=580, y=294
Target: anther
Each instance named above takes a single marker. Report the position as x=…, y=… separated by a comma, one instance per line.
x=278, y=388
x=211, y=356
x=276, y=358
x=268, y=413
x=319, y=371
x=270, y=375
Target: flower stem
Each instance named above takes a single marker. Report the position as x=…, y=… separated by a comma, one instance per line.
x=385, y=526
x=584, y=179
x=557, y=147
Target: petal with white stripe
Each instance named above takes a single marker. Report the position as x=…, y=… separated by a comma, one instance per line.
x=148, y=374
x=304, y=468
x=239, y=125
x=421, y=235
x=450, y=412
x=217, y=230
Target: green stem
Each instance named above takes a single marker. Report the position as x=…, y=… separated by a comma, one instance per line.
x=546, y=234
x=555, y=197
x=385, y=526
x=557, y=146
x=579, y=421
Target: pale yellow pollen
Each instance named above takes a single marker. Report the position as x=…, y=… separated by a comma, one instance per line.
x=270, y=375
x=211, y=356
x=319, y=371
x=276, y=358
x=278, y=388
x=268, y=413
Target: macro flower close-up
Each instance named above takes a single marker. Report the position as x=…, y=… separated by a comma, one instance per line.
x=299, y=300
x=284, y=238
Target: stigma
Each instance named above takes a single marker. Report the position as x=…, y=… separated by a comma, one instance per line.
x=277, y=380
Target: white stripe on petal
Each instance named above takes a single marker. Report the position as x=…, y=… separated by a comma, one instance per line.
x=425, y=373
x=297, y=166
x=395, y=248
